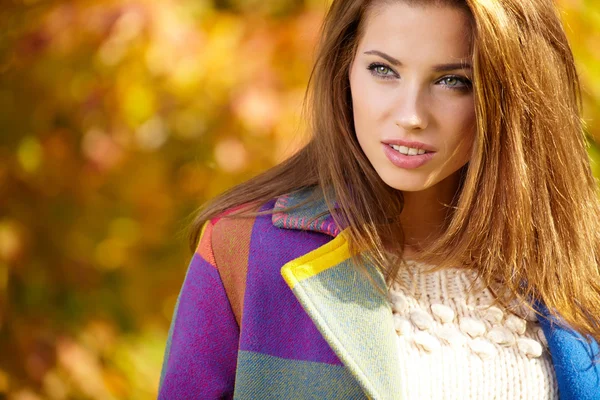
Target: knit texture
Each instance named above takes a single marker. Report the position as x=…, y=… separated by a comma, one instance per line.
x=455, y=344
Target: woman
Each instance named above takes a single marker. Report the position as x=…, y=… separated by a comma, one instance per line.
x=436, y=239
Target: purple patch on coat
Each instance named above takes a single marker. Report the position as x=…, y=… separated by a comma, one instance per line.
x=203, y=347
x=284, y=330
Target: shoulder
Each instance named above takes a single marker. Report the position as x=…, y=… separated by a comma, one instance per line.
x=229, y=234
x=226, y=242
x=249, y=251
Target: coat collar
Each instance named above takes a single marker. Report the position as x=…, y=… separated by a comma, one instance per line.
x=356, y=320
x=351, y=314
x=314, y=216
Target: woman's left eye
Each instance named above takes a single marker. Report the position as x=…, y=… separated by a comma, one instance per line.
x=456, y=82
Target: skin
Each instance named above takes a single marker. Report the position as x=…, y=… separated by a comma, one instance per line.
x=414, y=102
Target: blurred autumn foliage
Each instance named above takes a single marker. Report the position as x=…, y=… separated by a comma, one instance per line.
x=117, y=120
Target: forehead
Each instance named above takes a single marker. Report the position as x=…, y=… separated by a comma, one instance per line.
x=400, y=27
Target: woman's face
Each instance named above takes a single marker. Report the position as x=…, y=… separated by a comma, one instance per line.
x=411, y=93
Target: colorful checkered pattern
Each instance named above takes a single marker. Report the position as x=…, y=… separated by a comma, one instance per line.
x=271, y=308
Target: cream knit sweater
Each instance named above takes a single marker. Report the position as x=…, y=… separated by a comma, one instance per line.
x=453, y=345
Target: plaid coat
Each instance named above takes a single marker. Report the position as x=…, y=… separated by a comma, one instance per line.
x=271, y=309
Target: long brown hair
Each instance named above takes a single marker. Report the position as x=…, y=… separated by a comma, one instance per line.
x=526, y=213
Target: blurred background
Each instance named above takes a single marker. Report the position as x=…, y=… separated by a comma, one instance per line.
x=117, y=120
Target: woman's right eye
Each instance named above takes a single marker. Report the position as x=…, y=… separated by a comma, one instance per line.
x=379, y=70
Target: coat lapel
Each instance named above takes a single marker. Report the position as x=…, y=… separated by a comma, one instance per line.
x=354, y=318
x=351, y=314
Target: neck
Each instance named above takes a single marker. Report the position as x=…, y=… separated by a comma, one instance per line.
x=425, y=213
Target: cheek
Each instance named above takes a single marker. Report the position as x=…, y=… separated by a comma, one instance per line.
x=360, y=104
x=458, y=127
x=465, y=135
x=367, y=102
x=462, y=121
x=368, y=117
x=361, y=110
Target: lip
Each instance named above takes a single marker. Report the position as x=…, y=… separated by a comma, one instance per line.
x=403, y=161
x=414, y=145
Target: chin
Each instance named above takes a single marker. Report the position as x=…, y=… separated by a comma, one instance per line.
x=405, y=184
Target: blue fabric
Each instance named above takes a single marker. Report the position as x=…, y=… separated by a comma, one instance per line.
x=573, y=356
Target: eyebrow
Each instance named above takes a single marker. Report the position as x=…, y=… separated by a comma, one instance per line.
x=437, y=68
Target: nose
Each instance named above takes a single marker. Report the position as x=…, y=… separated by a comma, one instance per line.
x=411, y=111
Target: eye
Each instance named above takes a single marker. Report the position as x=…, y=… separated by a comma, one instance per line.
x=381, y=71
x=456, y=82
